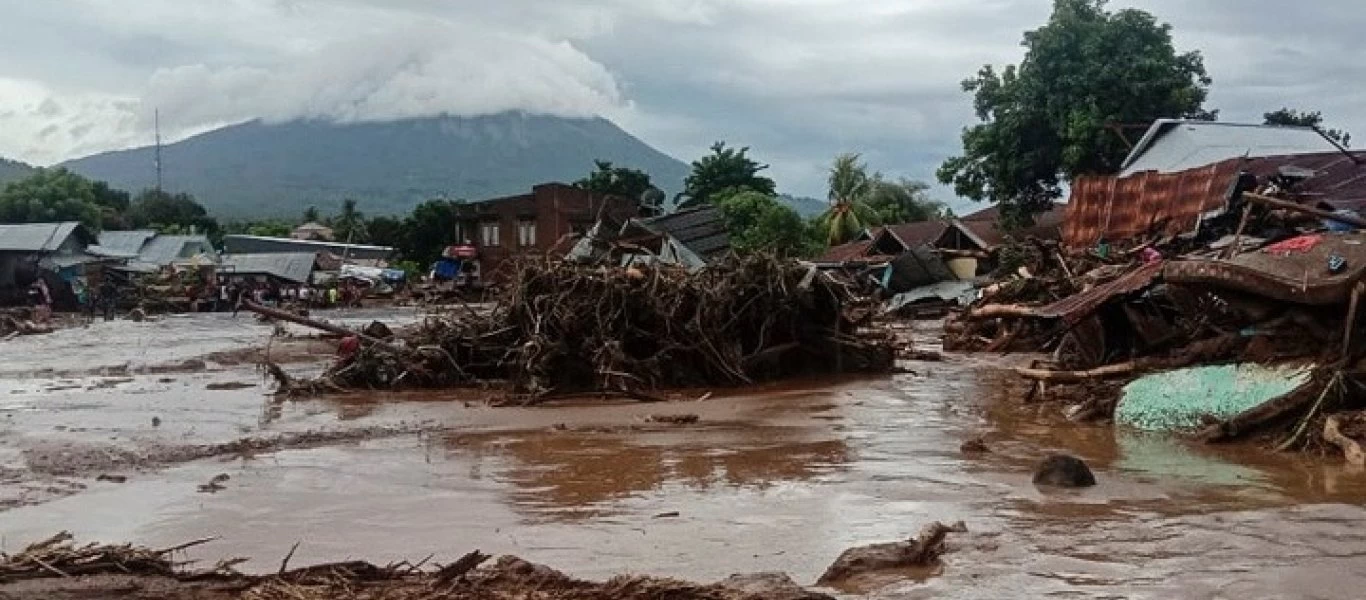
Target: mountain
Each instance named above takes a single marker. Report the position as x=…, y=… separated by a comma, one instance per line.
x=12, y=170
x=805, y=206
x=257, y=169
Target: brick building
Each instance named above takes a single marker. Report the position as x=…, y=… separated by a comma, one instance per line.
x=533, y=223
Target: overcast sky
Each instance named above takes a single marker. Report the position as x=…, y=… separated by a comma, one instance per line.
x=797, y=80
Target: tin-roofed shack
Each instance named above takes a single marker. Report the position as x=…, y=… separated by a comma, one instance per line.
x=53, y=251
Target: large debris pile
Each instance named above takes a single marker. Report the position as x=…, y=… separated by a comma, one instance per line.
x=1264, y=293
x=565, y=329
x=61, y=570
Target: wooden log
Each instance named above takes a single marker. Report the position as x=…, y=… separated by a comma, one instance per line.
x=1332, y=432
x=319, y=325
x=1105, y=372
x=1308, y=210
x=1249, y=420
x=994, y=311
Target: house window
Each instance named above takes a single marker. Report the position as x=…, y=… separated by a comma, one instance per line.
x=462, y=232
x=490, y=234
x=526, y=232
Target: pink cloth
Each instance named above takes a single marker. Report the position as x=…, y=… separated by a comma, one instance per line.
x=1293, y=245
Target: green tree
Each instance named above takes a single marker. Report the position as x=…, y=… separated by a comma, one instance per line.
x=725, y=169
x=902, y=201
x=114, y=205
x=51, y=195
x=758, y=222
x=1085, y=71
x=349, y=225
x=850, y=189
x=171, y=213
x=609, y=180
x=1295, y=118
x=384, y=231
x=428, y=230
x=311, y=215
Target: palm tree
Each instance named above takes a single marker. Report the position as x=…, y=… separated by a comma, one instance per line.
x=350, y=224
x=850, y=187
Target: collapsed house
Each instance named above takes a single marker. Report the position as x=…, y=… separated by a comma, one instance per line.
x=54, y=252
x=1212, y=286
x=691, y=238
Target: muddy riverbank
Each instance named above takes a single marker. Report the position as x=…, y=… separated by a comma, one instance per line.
x=782, y=478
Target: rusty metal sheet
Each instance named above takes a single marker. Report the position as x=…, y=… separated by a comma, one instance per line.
x=1171, y=203
x=1076, y=307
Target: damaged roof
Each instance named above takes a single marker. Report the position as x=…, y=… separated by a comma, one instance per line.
x=846, y=252
x=38, y=237
x=701, y=229
x=1172, y=145
x=1117, y=207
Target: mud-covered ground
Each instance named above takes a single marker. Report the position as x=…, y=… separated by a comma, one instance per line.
x=775, y=479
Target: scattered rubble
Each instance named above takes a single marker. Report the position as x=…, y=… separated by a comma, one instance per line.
x=1262, y=286
x=564, y=329
x=58, y=569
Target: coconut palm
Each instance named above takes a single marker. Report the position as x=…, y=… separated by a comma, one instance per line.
x=850, y=187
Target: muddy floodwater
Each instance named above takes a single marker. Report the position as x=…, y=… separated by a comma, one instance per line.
x=110, y=431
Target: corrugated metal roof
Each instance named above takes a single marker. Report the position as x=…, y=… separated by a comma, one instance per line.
x=255, y=244
x=166, y=249
x=1156, y=203
x=1076, y=307
x=1172, y=145
x=125, y=242
x=702, y=229
x=36, y=237
x=292, y=266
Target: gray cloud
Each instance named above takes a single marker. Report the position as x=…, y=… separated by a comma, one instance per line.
x=798, y=80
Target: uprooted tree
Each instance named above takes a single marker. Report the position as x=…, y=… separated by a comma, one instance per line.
x=1086, y=72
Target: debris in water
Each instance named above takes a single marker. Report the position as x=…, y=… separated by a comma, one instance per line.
x=1061, y=470
x=215, y=485
x=229, y=385
x=673, y=419
x=924, y=550
x=112, y=478
x=977, y=445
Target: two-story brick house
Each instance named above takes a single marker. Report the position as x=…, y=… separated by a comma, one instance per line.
x=533, y=223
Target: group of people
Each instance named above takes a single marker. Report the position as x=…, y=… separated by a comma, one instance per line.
x=229, y=295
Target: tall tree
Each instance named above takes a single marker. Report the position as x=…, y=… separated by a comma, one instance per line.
x=51, y=195
x=850, y=188
x=1049, y=119
x=171, y=213
x=724, y=170
x=610, y=180
x=1295, y=118
x=903, y=201
x=758, y=222
x=311, y=215
x=428, y=230
x=349, y=225
x=384, y=231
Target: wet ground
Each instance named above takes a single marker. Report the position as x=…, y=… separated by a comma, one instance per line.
x=781, y=478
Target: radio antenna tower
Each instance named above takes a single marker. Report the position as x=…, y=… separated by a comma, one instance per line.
x=156, y=121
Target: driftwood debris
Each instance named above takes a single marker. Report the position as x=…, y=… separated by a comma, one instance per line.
x=566, y=329
x=921, y=551
x=1351, y=450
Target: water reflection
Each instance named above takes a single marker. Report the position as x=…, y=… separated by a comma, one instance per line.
x=577, y=474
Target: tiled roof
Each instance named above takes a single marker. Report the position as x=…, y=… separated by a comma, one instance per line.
x=916, y=234
x=702, y=229
x=847, y=252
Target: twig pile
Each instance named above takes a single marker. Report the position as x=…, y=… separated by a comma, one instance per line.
x=564, y=329
x=58, y=556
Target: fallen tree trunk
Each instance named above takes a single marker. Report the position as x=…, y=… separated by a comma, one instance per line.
x=1250, y=420
x=319, y=325
x=1105, y=372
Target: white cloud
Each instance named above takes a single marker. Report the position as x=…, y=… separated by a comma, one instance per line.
x=798, y=80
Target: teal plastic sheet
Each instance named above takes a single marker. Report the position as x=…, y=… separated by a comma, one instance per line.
x=1178, y=400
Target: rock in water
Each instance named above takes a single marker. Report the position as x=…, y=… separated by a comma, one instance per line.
x=1061, y=470
x=919, y=552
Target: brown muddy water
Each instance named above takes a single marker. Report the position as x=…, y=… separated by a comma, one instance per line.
x=780, y=478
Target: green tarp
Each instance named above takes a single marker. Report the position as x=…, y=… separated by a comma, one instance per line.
x=1178, y=400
